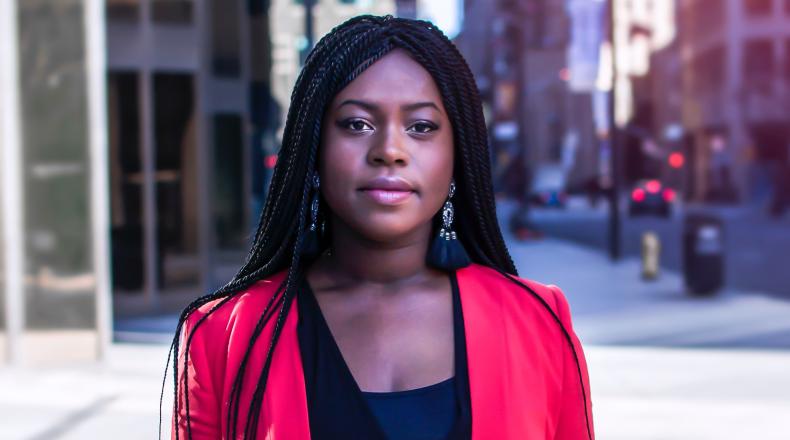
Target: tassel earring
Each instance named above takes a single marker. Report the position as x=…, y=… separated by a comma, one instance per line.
x=311, y=245
x=446, y=251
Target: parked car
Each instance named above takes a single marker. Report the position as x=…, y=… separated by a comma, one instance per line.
x=549, y=187
x=651, y=197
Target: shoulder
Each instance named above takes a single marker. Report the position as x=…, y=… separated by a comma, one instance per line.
x=516, y=294
x=221, y=315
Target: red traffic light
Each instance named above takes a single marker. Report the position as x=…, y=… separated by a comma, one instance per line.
x=676, y=160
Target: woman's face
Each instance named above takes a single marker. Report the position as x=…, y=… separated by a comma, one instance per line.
x=386, y=157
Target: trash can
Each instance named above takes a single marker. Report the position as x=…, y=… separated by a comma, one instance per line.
x=703, y=253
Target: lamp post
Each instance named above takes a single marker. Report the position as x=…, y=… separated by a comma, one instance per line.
x=309, y=37
x=614, y=145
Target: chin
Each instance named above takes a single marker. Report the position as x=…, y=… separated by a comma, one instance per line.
x=387, y=230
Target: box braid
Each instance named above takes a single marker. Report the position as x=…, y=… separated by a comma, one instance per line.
x=339, y=57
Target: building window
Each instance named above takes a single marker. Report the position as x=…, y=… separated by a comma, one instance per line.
x=123, y=10
x=225, y=39
x=787, y=61
x=758, y=7
x=704, y=17
x=348, y=2
x=228, y=188
x=172, y=11
x=709, y=68
x=758, y=60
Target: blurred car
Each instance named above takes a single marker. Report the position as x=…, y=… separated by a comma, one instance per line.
x=549, y=187
x=651, y=197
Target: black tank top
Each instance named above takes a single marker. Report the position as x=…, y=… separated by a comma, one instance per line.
x=338, y=409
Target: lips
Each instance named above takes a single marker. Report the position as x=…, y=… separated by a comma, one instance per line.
x=388, y=190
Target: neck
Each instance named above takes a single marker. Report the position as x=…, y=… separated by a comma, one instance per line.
x=361, y=259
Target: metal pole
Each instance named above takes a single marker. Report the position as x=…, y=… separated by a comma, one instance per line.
x=614, y=147
x=308, y=23
x=148, y=155
x=96, y=68
x=203, y=144
x=12, y=183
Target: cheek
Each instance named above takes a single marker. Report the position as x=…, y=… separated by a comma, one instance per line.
x=437, y=169
x=337, y=166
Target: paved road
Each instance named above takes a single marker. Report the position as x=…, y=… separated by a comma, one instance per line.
x=757, y=247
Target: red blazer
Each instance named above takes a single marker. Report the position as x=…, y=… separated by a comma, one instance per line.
x=525, y=381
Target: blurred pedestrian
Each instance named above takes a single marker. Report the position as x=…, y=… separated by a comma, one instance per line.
x=379, y=299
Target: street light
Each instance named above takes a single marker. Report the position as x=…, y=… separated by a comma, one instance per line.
x=614, y=193
x=308, y=29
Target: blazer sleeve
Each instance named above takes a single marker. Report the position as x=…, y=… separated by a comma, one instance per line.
x=575, y=420
x=195, y=386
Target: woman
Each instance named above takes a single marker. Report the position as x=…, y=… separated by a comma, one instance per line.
x=378, y=299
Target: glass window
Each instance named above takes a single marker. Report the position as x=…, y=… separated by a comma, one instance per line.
x=703, y=17
x=176, y=179
x=758, y=59
x=126, y=183
x=256, y=8
x=123, y=10
x=60, y=293
x=225, y=39
x=228, y=193
x=709, y=68
x=787, y=61
x=172, y=11
x=758, y=7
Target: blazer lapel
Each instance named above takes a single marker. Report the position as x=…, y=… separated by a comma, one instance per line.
x=486, y=350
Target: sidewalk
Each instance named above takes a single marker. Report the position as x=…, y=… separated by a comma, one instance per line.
x=612, y=305
x=654, y=391
x=647, y=380
x=117, y=399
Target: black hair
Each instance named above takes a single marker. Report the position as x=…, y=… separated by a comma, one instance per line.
x=338, y=58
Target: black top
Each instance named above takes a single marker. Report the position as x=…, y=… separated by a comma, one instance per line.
x=337, y=408
x=422, y=413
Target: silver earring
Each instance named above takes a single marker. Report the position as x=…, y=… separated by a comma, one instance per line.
x=446, y=251
x=448, y=215
x=311, y=243
x=316, y=183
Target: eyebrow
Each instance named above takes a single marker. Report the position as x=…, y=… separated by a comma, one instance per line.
x=373, y=107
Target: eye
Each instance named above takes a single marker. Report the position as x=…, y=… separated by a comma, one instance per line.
x=424, y=127
x=356, y=125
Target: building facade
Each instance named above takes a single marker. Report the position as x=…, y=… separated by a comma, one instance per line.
x=190, y=117
x=736, y=87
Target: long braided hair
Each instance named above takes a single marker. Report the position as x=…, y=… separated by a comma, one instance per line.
x=338, y=58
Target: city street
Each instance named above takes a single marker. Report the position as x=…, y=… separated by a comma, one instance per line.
x=756, y=245
x=149, y=149
x=612, y=305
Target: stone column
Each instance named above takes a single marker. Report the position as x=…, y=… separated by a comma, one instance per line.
x=55, y=211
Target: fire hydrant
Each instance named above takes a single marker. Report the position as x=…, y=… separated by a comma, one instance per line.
x=651, y=254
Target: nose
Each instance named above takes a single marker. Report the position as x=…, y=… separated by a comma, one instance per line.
x=388, y=149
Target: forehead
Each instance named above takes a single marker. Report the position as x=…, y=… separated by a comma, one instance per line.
x=395, y=78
